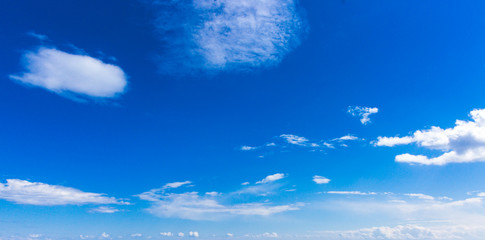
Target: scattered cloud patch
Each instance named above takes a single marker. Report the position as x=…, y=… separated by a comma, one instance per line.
x=225, y=34
x=35, y=193
x=320, y=180
x=70, y=74
x=181, y=234
x=40, y=37
x=104, y=235
x=272, y=178
x=194, y=234
x=362, y=112
x=136, y=235
x=166, y=234
x=104, y=209
x=351, y=193
x=463, y=143
x=420, y=196
x=176, y=184
x=293, y=139
x=248, y=148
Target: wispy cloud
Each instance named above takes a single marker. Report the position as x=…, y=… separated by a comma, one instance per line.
x=225, y=34
x=35, y=193
x=362, y=112
x=215, y=206
x=351, y=193
x=71, y=74
x=104, y=209
x=463, y=143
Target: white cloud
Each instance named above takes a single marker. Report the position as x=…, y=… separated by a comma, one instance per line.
x=271, y=178
x=351, y=193
x=226, y=34
x=66, y=73
x=293, y=139
x=176, y=184
x=245, y=183
x=104, y=235
x=181, y=234
x=104, y=209
x=420, y=196
x=166, y=234
x=248, y=148
x=269, y=235
x=346, y=138
x=35, y=193
x=192, y=206
x=194, y=234
x=37, y=35
x=35, y=235
x=213, y=194
x=463, y=143
x=362, y=112
x=136, y=235
x=320, y=180
x=230, y=235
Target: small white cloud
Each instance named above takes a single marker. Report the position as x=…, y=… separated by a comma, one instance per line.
x=463, y=143
x=362, y=112
x=181, y=234
x=320, y=180
x=271, y=178
x=269, y=235
x=194, y=234
x=166, y=234
x=293, y=139
x=245, y=183
x=104, y=235
x=351, y=193
x=347, y=138
x=420, y=196
x=35, y=193
x=38, y=36
x=230, y=235
x=175, y=184
x=136, y=235
x=34, y=235
x=66, y=73
x=213, y=194
x=104, y=209
x=248, y=148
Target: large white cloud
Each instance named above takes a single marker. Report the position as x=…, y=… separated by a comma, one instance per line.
x=227, y=34
x=465, y=142
x=35, y=193
x=66, y=73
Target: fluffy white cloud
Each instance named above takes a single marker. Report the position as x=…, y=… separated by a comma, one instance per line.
x=104, y=235
x=320, y=180
x=347, y=138
x=463, y=143
x=35, y=193
x=166, y=234
x=230, y=235
x=194, y=234
x=351, y=193
x=66, y=73
x=269, y=235
x=362, y=112
x=248, y=148
x=271, y=178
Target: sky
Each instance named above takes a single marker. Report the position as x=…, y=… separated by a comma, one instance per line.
x=250, y=119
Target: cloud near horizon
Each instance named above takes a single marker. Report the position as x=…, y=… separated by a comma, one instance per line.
x=41, y=194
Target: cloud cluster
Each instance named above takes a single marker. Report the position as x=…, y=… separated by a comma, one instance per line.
x=195, y=206
x=225, y=34
x=35, y=193
x=362, y=112
x=465, y=142
x=70, y=74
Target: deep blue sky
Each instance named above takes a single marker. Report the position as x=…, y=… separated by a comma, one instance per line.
x=421, y=63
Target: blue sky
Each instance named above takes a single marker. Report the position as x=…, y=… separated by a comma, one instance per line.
x=274, y=119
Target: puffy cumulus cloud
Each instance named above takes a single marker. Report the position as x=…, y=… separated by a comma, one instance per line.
x=71, y=74
x=362, y=112
x=272, y=178
x=465, y=142
x=35, y=193
x=225, y=34
x=194, y=234
x=320, y=180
